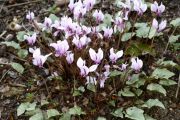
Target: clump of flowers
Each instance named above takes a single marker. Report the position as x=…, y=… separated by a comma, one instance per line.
x=96, y=48
x=84, y=48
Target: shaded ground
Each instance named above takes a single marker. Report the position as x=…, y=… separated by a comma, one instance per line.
x=15, y=89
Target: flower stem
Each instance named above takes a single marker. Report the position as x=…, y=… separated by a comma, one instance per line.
x=168, y=40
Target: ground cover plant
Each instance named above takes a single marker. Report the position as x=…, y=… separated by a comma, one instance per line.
x=101, y=64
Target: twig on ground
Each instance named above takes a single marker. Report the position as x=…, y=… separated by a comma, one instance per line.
x=25, y=3
x=178, y=86
x=4, y=75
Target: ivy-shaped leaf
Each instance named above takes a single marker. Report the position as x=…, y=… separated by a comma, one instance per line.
x=18, y=67
x=159, y=73
x=91, y=87
x=52, y=113
x=101, y=118
x=53, y=17
x=173, y=38
x=153, y=102
x=22, y=53
x=76, y=110
x=20, y=36
x=156, y=87
x=167, y=82
x=118, y=113
x=65, y=116
x=12, y=44
x=175, y=22
x=134, y=113
x=127, y=36
x=22, y=108
x=37, y=116
x=115, y=73
x=126, y=92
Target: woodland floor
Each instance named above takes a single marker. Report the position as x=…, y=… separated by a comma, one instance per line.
x=15, y=89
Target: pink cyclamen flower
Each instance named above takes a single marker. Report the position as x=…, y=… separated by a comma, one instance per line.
x=136, y=64
x=79, y=10
x=89, y=4
x=104, y=76
x=71, y=5
x=81, y=42
x=157, y=9
x=38, y=59
x=47, y=24
x=119, y=23
x=31, y=39
x=86, y=30
x=114, y=56
x=98, y=15
x=157, y=26
x=91, y=80
x=108, y=32
x=139, y=7
x=30, y=16
x=96, y=57
x=61, y=47
x=123, y=67
x=84, y=70
x=57, y=26
x=70, y=57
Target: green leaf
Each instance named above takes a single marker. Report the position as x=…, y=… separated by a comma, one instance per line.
x=153, y=102
x=126, y=92
x=167, y=82
x=135, y=81
x=134, y=113
x=127, y=36
x=173, y=38
x=22, y=53
x=139, y=25
x=12, y=44
x=18, y=67
x=52, y=113
x=65, y=116
x=53, y=17
x=32, y=106
x=115, y=73
x=156, y=87
x=91, y=87
x=76, y=110
x=138, y=92
x=159, y=73
x=167, y=63
x=175, y=22
x=44, y=102
x=112, y=103
x=142, y=32
x=118, y=113
x=107, y=20
x=152, y=33
x=81, y=88
x=101, y=118
x=37, y=116
x=22, y=108
x=20, y=36
x=76, y=92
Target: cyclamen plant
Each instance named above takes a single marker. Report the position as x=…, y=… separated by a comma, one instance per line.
x=89, y=46
x=80, y=39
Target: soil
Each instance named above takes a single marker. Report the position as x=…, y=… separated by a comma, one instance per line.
x=15, y=89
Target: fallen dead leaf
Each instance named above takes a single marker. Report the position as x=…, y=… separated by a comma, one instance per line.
x=61, y=2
